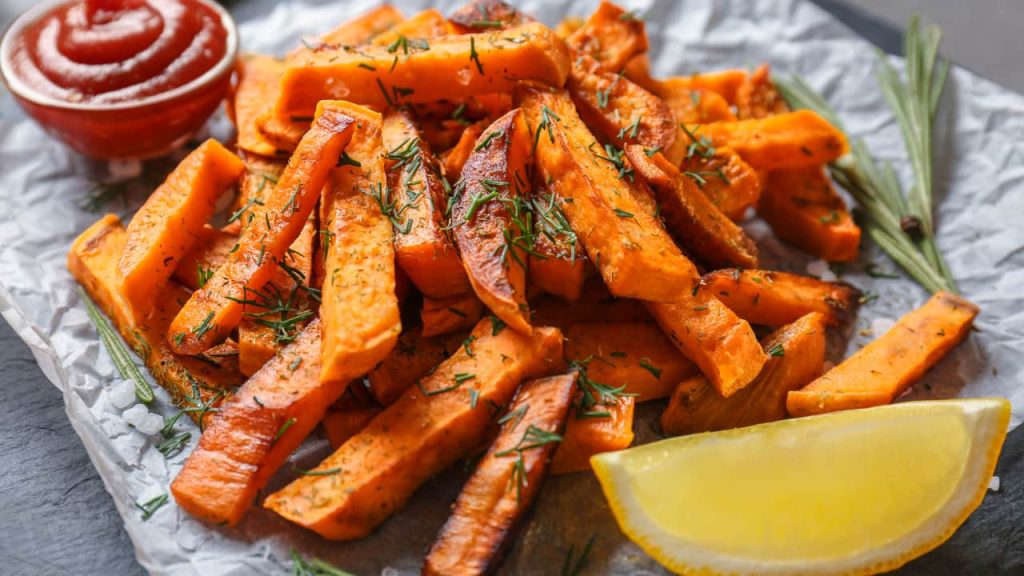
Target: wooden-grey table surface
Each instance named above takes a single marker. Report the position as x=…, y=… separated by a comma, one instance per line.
x=56, y=519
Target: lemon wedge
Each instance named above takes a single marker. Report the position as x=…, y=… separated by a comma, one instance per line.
x=855, y=492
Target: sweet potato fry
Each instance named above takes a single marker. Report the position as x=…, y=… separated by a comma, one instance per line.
x=255, y=431
x=881, y=371
x=193, y=383
x=282, y=132
x=340, y=425
x=731, y=184
x=171, y=220
x=490, y=221
x=359, y=305
x=695, y=106
x=636, y=355
x=273, y=315
x=721, y=344
x=446, y=68
x=412, y=358
x=450, y=314
x=258, y=180
x=757, y=97
x=618, y=110
x=483, y=15
x=456, y=158
x=210, y=251
x=595, y=304
x=431, y=426
x=797, y=354
x=725, y=83
x=423, y=248
x=258, y=79
x=794, y=140
x=706, y=233
x=774, y=298
x=803, y=209
x=612, y=216
x=216, y=308
x=354, y=32
x=495, y=500
x=557, y=263
x=587, y=436
x=611, y=36
x=429, y=23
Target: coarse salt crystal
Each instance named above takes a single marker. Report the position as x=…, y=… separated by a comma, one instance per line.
x=134, y=415
x=993, y=484
x=122, y=394
x=882, y=325
x=150, y=424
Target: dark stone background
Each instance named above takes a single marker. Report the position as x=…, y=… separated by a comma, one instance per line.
x=56, y=519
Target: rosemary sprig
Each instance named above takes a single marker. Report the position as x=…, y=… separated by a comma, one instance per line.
x=314, y=567
x=118, y=351
x=149, y=507
x=902, y=225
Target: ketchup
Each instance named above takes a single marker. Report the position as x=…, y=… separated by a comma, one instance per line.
x=106, y=51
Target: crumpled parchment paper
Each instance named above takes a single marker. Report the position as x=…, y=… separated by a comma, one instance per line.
x=979, y=182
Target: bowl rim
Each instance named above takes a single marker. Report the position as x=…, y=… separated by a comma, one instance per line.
x=22, y=90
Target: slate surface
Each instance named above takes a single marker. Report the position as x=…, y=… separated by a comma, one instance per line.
x=56, y=519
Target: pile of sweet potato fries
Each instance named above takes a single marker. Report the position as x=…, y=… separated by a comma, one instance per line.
x=477, y=233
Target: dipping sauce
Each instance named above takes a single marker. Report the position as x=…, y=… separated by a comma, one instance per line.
x=108, y=51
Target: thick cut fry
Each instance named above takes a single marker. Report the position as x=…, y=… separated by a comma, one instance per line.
x=171, y=221
x=587, y=436
x=446, y=68
x=725, y=83
x=706, y=233
x=613, y=217
x=193, y=383
x=694, y=106
x=282, y=132
x=636, y=355
x=258, y=79
x=359, y=306
x=595, y=304
x=731, y=184
x=881, y=371
x=412, y=358
x=354, y=32
x=794, y=140
x=210, y=252
x=431, y=426
x=450, y=315
x=721, y=344
x=775, y=298
x=258, y=180
x=483, y=15
x=490, y=219
x=423, y=248
x=427, y=24
x=557, y=263
x=215, y=309
x=340, y=425
x=273, y=315
x=757, y=97
x=797, y=354
x=496, y=499
x=611, y=36
x=255, y=431
x=456, y=158
x=618, y=110
x=803, y=209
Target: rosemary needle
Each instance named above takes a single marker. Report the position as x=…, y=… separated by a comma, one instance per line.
x=118, y=351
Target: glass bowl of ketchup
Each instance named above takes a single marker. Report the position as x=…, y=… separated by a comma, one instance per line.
x=119, y=79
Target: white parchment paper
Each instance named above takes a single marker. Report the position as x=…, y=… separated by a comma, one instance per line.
x=979, y=183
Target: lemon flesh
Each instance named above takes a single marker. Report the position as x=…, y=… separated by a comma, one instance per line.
x=845, y=493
